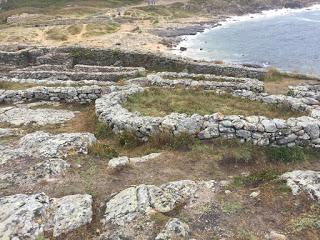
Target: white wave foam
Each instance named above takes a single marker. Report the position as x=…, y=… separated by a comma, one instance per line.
x=266, y=14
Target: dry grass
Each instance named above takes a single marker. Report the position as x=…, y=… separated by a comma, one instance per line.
x=281, y=87
x=98, y=29
x=16, y=86
x=160, y=102
x=272, y=74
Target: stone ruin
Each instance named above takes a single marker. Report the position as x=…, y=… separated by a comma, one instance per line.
x=107, y=78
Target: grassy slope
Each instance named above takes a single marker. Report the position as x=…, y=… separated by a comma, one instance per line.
x=13, y=7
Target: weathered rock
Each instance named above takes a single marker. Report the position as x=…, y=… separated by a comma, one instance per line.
x=9, y=132
x=45, y=145
x=308, y=181
x=48, y=145
x=174, y=229
x=23, y=216
x=45, y=170
x=144, y=158
x=25, y=116
x=140, y=200
x=275, y=236
x=28, y=216
x=118, y=163
x=70, y=212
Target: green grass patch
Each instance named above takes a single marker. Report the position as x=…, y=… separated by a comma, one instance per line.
x=230, y=207
x=285, y=154
x=160, y=102
x=307, y=221
x=255, y=179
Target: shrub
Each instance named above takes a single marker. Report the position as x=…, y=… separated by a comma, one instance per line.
x=183, y=141
x=103, y=151
x=129, y=140
x=102, y=131
x=255, y=179
x=285, y=154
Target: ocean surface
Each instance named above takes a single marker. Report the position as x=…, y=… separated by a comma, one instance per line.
x=286, y=39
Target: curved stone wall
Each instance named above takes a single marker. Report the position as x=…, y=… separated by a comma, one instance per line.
x=302, y=131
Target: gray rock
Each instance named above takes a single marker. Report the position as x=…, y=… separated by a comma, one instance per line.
x=28, y=216
x=308, y=181
x=118, y=163
x=174, y=229
x=70, y=212
x=23, y=216
x=141, y=200
x=24, y=116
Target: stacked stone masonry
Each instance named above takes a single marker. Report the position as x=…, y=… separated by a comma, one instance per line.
x=85, y=94
x=259, y=130
x=24, y=56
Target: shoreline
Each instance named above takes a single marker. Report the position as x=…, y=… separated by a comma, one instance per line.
x=230, y=20
x=184, y=44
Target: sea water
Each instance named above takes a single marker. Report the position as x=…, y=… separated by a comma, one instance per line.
x=286, y=39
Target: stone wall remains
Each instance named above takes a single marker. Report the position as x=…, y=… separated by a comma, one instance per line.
x=301, y=131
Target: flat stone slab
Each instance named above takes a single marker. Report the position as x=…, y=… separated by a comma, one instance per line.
x=25, y=116
x=45, y=145
x=45, y=170
x=28, y=216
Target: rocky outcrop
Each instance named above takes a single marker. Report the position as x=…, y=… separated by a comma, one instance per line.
x=28, y=216
x=306, y=181
x=44, y=170
x=143, y=199
x=22, y=115
x=45, y=145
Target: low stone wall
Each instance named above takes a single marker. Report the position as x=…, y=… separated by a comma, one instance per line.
x=302, y=101
x=205, y=81
x=302, y=131
x=73, y=76
x=84, y=94
x=107, y=57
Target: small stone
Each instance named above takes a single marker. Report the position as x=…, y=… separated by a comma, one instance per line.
x=255, y=194
x=118, y=163
x=275, y=236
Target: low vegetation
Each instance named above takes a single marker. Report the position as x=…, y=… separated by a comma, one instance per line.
x=273, y=74
x=15, y=86
x=160, y=102
x=100, y=29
